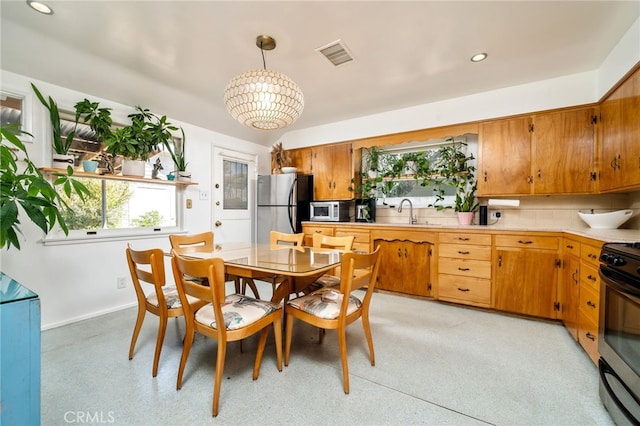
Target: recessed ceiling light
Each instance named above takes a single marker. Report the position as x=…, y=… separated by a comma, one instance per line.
x=40, y=7
x=479, y=57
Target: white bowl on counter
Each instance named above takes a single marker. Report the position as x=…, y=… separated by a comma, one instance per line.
x=605, y=220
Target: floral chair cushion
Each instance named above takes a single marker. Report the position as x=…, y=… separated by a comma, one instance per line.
x=238, y=311
x=170, y=296
x=325, y=303
x=327, y=281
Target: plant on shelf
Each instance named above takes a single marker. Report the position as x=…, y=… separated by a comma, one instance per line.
x=60, y=143
x=24, y=187
x=453, y=169
x=98, y=119
x=177, y=152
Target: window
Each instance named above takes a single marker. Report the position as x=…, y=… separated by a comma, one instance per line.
x=115, y=205
x=14, y=110
x=236, y=185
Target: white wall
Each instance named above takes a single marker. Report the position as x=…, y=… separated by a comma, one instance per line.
x=76, y=281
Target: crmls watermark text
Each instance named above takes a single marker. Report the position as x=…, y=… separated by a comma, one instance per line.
x=84, y=417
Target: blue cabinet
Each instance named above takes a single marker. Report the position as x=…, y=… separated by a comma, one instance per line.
x=19, y=354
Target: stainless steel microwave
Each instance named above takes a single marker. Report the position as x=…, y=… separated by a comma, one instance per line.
x=330, y=211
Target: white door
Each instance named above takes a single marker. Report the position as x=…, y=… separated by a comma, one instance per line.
x=233, y=195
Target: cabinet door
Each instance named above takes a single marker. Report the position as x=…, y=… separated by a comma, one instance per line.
x=526, y=282
x=301, y=158
x=563, y=150
x=504, y=157
x=416, y=269
x=619, y=150
x=569, y=293
x=332, y=168
x=390, y=272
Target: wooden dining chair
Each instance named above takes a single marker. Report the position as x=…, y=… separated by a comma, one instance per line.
x=343, y=243
x=277, y=238
x=147, y=267
x=224, y=318
x=204, y=242
x=335, y=308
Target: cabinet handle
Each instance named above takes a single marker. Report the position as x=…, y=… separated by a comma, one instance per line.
x=406, y=254
x=399, y=253
x=591, y=277
x=463, y=289
x=613, y=163
x=574, y=276
x=463, y=252
x=525, y=242
x=485, y=176
x=499, y=261
x=590, y=336
x=463, y=238
x=529, y=179
x=569, y=246
x=592, y=256
x=463, y=269
x=539, y=174
x=591, y=304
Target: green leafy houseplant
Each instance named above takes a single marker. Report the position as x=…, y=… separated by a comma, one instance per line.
x=452, y=168
x=61, y=145
x=177, y=152
x=26, y=188
x=99, y=119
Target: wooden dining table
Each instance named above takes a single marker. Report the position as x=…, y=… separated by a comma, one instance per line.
x=298, y=265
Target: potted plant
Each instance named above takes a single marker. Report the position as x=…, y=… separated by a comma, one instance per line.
x=177, y=152
x=139, y=140
x=99, y=120
x=452, y=168
x=26, y=188
x=61, y=145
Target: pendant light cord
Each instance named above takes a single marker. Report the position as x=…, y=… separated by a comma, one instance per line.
x=264, y=63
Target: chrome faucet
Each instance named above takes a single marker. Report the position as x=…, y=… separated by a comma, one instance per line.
x=412, y=219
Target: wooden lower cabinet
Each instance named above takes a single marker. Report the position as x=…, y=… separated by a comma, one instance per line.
x=570, y=285
x=589, y=301
x=404, y=267
x=526, y=275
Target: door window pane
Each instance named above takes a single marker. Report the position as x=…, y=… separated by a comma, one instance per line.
x=235, y=185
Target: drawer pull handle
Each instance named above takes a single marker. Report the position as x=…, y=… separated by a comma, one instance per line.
x=569, y=246
x=525, y=242
x=590, y=303
x=463, y=289
x=463, y=238
x=592, y=256
x=592, y=278
x=590, y=336
x=463, y=269
x=462, y=252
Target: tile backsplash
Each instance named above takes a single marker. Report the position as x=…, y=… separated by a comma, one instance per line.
x=534, y=212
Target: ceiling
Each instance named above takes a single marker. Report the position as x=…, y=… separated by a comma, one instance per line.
x=176, y=57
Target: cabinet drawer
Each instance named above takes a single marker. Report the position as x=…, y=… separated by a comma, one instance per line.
x=461, y=251
x=588, y=336
x=360, y=236
x=527, y=241
x=590, y=275
x=325, y=230
x=470, y=289
x=590, y=254
x=589, y=302
x=463, y=267
x=475, y=239
x=571, y=247
x=362, y=247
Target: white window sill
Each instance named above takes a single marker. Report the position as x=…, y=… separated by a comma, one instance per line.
x=106, y=235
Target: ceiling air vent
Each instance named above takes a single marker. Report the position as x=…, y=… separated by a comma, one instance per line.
x=336, y=52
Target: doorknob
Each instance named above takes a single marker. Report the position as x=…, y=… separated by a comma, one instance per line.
x=218, y=223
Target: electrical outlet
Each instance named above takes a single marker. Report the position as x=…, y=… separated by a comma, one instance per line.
x=495, y=215
x=204, y=195
x=122, y=283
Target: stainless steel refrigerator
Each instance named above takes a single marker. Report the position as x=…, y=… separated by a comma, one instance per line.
x=283, y=203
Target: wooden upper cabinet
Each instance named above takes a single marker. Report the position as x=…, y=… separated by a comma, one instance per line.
x=620, y=147
x=332, y=168
x=301, y=158
x=504, y=157
x=547, y=153
x=563, y=152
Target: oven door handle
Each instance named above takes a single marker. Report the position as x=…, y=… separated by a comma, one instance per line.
x=618, y=281
x=605, y=369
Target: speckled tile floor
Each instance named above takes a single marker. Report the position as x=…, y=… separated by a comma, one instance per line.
x=435, y=364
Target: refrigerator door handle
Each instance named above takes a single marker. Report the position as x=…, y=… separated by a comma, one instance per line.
x=290, y=205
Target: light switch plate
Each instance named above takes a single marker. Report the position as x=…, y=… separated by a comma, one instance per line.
x=189, y=203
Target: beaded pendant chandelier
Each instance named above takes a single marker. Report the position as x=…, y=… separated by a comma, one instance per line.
x=263, y=99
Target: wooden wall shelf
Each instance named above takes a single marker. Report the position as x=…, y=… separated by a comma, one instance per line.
x=79, y=174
